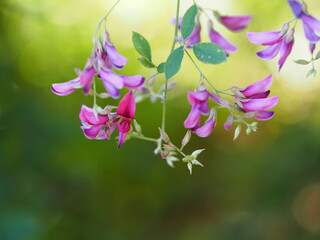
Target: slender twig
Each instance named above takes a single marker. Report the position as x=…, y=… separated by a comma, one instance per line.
x=163, y=125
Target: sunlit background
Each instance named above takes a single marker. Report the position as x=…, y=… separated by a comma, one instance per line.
x=56, y=184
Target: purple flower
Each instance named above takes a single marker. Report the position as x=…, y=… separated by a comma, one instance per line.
x=254, y=98
x=218, y=39
x=95, y=127
x=311, y=25
x=276, y=42
x=126, y=110
x=234, y=23
x=200, y=106
x=112, y=82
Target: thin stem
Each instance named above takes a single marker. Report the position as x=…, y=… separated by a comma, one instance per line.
x=144, y=138
x=163, y=125
x=105, y=17
x=197, y=67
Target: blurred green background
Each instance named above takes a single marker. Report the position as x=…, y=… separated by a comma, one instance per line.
x=56, y=184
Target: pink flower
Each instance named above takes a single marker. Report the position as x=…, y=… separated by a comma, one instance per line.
x=113, y=81
x=254, y=98
x=310, y=24
x=126, y=110
x=200, y=106
x=218, y=39
x=277, y=42
x=234, y=23
x=96, y=127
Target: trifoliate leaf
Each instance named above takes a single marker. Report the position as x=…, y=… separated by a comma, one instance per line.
x=173, y=63
x=209, y=53
x=188, y=21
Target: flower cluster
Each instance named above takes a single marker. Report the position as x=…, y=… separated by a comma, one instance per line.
x=103, y=125
x=232, y=23
x=103, y=60
x=241, y=104
x=249, y=102
x=281, y=42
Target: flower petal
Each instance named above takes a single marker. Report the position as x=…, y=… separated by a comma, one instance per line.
x=112, y=78
x=87, y=116
x=117, y=60
x=296, y=8
x=124, y=128
x=86, y=78
x=258, y=87
x=92, y=132
x=260, y=104
x=261, y=95
x=127, y=106
x=193, y=117
x=264, y=115
x=312, y=22
x=264, y=38
x=218, y=39
x=111, y=90
x=228, y=124
x=270, y=52
x=207, y=128
x=235, y=23
x=310, y=34
x=63, y=89
x=285, y=51
x=133, y=82
x=197, y=97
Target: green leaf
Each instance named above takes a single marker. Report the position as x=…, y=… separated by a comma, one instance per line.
x=173, y=63
x=312, y=71
x=160, y=68
x=209, y=53
x=146, y=63
x=141, y=45
x=301, y=62
x=188, y=21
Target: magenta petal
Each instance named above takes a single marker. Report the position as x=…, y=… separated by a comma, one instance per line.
x=264, y=115
x=111, y=78
x=285, y=51
x=63, y=89
x=310, y=34
x=124, y=128
x=127, y=106
x=260, y=104
x=133, y=82
x=296, y=8
x=87, y=116
x=197, y=97
x=86, y=78
x=92, y=132
x=312, y=22
x=235, y=23
x=111, y=90
x=270, y=52
x=264, y=38
x=218, y=39
x=117, y=60
x=193, y=118
x=261, y=95
x=258, y=87
x=207, y=128
x=228, y=124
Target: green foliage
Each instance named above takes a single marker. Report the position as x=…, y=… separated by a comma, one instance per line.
x=209, y=53
x=142, y=46
x=188, y=22
x=173, y=63
x=160, y=68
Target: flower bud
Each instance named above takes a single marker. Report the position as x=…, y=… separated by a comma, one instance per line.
x=237, y=132
x=196, y=153
x=164, y=136
x=186, y=138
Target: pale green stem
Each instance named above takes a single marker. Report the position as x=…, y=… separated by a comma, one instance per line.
x=163, y=125
x=105, y=17
x=144, y=138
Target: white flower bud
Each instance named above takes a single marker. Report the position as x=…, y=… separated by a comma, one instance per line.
x=237, y=132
